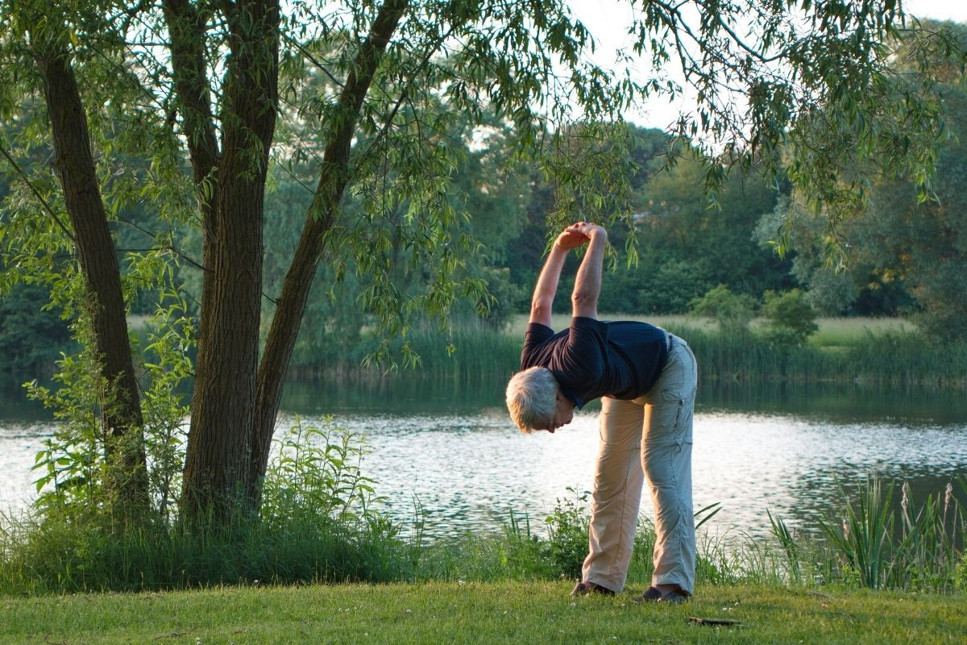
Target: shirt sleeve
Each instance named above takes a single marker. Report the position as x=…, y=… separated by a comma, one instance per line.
x=586, y=349
x=535, y=336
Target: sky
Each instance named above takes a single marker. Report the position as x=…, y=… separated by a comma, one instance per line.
x=955, y=10
x=605, y=20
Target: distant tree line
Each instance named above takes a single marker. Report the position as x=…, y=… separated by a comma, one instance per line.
x=903, y=254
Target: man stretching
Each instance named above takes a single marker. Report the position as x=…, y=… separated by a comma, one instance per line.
x=646, y=379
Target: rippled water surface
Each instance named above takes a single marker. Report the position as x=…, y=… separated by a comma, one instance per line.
x=472, y=472
x=462, y=462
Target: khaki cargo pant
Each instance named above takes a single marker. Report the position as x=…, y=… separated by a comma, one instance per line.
x=649, y=437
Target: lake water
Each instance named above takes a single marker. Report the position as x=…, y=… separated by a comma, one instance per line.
x=453, y=451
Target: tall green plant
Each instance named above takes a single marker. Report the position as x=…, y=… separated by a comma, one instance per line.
x=863, y=537
x=167, y=365
x=316, y=472
x=924, y=552
x=567, y=533
x=76, y=467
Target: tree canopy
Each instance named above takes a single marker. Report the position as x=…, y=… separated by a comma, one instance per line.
x=904, y=250
x=196, y=107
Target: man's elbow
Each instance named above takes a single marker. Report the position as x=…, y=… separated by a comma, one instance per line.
x=540, y=311
x=585, y=304
x=581, y=297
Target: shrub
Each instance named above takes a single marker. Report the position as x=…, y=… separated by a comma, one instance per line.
x=791, y=318
x=318, y=525
x=733, y=311
x=567, y=534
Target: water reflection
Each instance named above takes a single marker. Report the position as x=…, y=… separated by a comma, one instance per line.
x=450, y=449
x=786, y=449
x=470, y=473
x=839, y=403
x=403, y=395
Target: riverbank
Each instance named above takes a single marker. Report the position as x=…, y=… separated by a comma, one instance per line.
x=880, y=352
x=501, y=612
x=296, y=545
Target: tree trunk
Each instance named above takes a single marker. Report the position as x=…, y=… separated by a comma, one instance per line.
x=219, y=442
x=334, y=176
x=121, y=408
x=186, y=29
x=233, y=410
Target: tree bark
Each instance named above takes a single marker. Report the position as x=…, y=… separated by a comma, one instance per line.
x=236, y=400
x=334, y=177
x=121, y=415
x=216, y=467
x=186, y=29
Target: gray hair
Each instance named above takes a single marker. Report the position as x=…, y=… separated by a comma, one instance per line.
x=532, y=398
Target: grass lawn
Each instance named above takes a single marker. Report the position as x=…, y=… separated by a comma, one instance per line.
x=842, y=331
x=506, y=612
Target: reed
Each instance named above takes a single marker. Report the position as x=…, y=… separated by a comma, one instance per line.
x=792, y=551
x=900, y=357
x=863, y=539
x=887, y=353
x=930, y=547
x=466, y=352
x=895, y=358
x=866, y=546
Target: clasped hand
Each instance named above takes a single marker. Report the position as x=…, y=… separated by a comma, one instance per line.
x=578, y=234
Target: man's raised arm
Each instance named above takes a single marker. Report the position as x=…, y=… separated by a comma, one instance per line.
x=542, y=302
x=587, y=283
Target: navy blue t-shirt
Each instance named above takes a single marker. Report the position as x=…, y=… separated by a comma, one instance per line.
x=594, y=358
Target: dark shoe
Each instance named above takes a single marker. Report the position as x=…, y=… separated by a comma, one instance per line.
x=587, y=588
x=675, y=597
x=651, y=595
